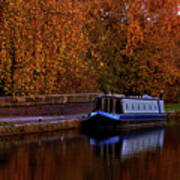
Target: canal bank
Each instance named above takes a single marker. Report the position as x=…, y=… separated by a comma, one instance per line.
x=24, y=115
x=173, y=117
x=38, y=124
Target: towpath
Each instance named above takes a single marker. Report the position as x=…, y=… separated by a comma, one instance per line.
x=24, y=119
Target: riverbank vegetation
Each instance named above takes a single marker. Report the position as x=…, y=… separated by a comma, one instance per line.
x=173, y=107
x=66, y=46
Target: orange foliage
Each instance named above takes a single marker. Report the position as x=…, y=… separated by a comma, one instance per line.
x=137, y=42
x=57, y=46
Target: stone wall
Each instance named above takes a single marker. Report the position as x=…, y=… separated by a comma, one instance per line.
x=47, y=99
x=47, y=105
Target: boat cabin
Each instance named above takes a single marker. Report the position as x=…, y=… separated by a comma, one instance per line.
x=122, y=105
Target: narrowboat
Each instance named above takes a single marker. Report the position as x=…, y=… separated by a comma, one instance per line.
x=119, y=111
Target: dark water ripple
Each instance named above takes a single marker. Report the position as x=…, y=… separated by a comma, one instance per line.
x=72, y=155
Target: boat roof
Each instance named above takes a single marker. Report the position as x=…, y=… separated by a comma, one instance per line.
x=144, y=97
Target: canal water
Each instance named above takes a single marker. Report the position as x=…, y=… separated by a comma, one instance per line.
x=74, y=155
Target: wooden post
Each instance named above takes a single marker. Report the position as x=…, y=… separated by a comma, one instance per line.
x=108, y=105
x=114, y=106
x=102, y=105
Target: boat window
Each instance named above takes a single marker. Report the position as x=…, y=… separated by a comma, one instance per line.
x=155, y=107
x=118, y=107
x=132, y=106
x=105, y=105
x=144, y=106
x=138, y=106
x=126, y=106
x=150, y=106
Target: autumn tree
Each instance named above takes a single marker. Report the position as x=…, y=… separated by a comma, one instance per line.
x=135, y=43
x=44, y=49
x=70, y=46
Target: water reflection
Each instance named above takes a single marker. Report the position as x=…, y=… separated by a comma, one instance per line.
x=151, y=154
x=127, y=145
x=44, y=156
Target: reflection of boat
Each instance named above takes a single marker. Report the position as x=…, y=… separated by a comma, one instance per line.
x=129, y=144
x=113, y=111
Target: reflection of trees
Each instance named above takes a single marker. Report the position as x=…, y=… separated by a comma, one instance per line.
x=69, y=157
x=64, y=157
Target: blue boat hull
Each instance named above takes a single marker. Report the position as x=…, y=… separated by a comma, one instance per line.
x=129, y=117
x=104, y=119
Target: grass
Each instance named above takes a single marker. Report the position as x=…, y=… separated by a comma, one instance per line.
x=2, y=123
x=172, y=107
